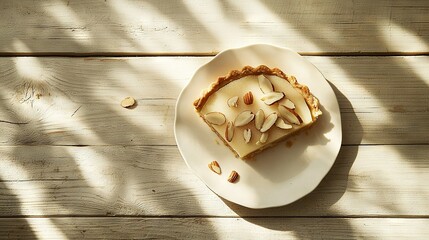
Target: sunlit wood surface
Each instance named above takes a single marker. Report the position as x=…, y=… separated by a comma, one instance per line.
x=75, y=164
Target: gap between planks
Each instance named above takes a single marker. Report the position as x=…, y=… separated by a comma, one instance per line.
x=222, y=217
x=174, y=145
x=207, y=54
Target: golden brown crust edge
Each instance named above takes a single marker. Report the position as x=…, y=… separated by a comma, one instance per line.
x=311, y=100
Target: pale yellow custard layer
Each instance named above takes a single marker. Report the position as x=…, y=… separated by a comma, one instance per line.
x=218, y=102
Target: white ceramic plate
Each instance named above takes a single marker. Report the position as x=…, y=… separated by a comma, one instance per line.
x=279, y=175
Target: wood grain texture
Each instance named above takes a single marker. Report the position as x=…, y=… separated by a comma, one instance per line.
x=154, y=181
x=191, y=27
x=218, y=228
x=76, y=165
x=76, y=101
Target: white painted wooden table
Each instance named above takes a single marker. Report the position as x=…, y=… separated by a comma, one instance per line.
x=74, y=164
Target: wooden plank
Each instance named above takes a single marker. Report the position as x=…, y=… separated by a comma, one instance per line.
x=192, y=27
x=213, y=228
x=75, y=101
x=155, y=181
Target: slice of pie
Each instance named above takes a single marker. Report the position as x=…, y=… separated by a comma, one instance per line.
x=255, y=108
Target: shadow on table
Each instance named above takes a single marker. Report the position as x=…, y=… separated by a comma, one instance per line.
x=318, y=202
x=78, y=180
x=10, y=225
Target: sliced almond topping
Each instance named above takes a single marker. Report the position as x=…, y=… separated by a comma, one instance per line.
x=244, y=118
x=263, y=138
x=272, y=97
x=290, y=115
x=214, y=166
x=265, y=84
x=281, y=124
x=259, y=119
x=289, y=104
x=233, y=102
x=269, y=122
x=247, y=134
x=128, y=102
x=229, y=131
x=215, y=118
x=233, y=177
x=248, y=98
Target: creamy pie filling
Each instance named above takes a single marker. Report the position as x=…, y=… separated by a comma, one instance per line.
x=218, y=102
